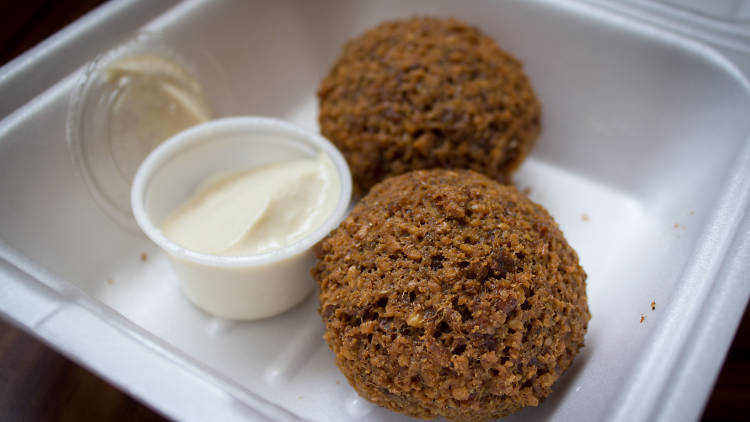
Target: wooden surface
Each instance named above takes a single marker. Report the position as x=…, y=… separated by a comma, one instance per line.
x=38, y=384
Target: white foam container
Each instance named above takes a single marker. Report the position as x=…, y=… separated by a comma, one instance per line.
x=646, y=132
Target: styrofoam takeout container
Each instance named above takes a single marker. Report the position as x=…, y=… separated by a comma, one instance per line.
x=644, y=161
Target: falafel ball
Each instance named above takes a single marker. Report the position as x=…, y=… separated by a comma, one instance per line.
x=426, y=93
x=445, y=293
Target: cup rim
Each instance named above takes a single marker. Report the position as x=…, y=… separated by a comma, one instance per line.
x=193, y=135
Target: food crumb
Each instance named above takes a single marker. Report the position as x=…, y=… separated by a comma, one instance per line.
x=299, y=398
x=676, y=225
x=643, y=318
x=144, y=257
x=526, y=191
x=110, y=281
x=338, y=382
x=653, y=305
x=692, y=212
x=585, y=218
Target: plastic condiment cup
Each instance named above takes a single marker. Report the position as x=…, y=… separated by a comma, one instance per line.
x=236, y=287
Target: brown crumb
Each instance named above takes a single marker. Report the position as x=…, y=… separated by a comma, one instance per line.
x=338, y=382
x=144, y=257
x=526, y=191
x=676, y=225
x=643, y=318
x=692, y=212
x=585, y=218
x=653, y=305
x=110, y=281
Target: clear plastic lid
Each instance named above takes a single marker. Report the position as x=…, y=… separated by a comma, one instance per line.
x=129, y=100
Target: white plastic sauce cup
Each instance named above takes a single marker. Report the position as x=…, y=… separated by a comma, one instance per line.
x=241, y=287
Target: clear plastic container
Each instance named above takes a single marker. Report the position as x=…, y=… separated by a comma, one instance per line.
x=130, y=99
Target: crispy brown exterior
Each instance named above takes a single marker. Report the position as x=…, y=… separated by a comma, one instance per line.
x=428, y=93
x=446, y=293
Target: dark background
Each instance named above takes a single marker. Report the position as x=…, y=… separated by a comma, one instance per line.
x=38, y=384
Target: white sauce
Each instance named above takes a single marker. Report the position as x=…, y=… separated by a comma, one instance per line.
x=256, y=210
